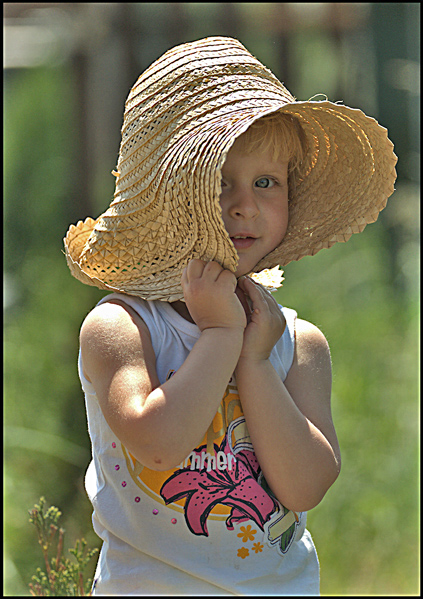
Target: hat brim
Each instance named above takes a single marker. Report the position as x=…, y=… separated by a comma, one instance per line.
x=349, y=176
x=178, y=128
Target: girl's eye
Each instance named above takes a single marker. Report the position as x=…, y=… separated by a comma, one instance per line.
x=264, y=182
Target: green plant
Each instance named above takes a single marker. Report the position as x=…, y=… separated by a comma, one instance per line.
x=63, y=577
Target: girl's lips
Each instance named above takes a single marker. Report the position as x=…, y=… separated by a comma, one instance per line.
x=242, y=243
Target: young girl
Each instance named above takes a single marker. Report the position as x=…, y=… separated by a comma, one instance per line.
x=208, y=403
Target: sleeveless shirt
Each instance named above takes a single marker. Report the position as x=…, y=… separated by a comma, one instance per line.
x=211, y=525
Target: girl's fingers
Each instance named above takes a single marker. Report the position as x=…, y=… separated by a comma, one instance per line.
x=184, y=278
x=261, y=300
x=214, y=271
x=198, y=268
x=255, y=291
x=195, y=269
x=244, y=299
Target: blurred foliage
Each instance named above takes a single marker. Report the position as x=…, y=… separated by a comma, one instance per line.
x=364, y=295
x=46, y=442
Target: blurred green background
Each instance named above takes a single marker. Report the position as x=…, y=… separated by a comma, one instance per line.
x=68, y=69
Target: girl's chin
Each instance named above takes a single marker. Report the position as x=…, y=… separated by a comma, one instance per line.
x=244, y=268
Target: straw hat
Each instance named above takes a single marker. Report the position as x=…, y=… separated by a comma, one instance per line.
x=181, y=118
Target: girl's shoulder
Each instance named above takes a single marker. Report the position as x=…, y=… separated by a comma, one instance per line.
x=309, y=337
x=311, y=354
x=110, y=333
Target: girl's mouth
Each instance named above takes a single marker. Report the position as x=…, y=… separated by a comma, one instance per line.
x=242, y=243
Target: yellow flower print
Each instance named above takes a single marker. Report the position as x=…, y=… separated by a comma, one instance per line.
x=246, y=533
x=258, y=547
x=243, y=552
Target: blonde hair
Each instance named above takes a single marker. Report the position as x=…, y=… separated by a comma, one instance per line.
x=283, y=136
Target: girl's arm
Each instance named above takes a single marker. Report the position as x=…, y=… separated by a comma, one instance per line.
x=160, y=424
x=290, y=423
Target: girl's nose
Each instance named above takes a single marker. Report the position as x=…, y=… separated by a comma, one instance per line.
x=241, y=203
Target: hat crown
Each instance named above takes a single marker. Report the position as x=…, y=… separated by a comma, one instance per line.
x=184, y=89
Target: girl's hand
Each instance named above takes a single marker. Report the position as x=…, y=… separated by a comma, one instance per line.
x=266, y=322
x=209, y=292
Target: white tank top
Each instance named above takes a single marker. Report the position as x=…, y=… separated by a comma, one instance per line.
x=209, y=526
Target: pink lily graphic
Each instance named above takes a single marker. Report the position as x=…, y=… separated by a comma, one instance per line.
x=236, y=487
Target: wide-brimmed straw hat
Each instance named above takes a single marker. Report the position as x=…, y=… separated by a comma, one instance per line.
x=181, y=118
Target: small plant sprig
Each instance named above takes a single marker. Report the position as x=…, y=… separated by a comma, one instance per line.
x=62, y=576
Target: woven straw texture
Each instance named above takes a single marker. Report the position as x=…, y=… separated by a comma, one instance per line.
x=181, y=118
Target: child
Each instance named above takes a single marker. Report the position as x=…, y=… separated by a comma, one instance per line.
x=208, y=403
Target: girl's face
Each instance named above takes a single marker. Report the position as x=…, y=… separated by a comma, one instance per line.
x=254, y=203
